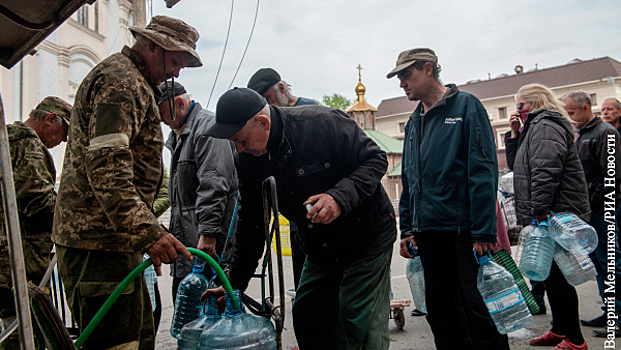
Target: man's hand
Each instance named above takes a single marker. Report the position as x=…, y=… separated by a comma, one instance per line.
x=207, y=244
x=404, y=247
x=219, y=293
x=326, y=208
x=542, y=218
x=483, y=247
x=165, y=250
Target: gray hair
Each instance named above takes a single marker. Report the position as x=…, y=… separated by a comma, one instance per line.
x=617, y=102
x=40, y=115
x=579, y=98
x=284, y=102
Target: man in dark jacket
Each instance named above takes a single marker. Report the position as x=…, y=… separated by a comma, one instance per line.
x=203, y=181
x=596, y=139
x=448, y=204
x=321, y=157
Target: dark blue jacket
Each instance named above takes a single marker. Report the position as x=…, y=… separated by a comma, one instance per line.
x=450, y=170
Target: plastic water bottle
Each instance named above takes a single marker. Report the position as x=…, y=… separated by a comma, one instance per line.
x=538, y=254
x=190, y=334
x=573, y=234
x=502, y=297
x=150, y=278
x=239, y=330
x=188, y=303
x=524, y=233
x=577, y=269
x=416, y=279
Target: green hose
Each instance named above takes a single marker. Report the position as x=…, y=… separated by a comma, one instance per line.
x=131, y=277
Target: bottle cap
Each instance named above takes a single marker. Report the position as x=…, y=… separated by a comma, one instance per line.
x=483, y=259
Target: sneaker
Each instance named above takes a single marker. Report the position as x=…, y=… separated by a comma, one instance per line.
x=596, y=322
x=568, y=345
x=548, y=339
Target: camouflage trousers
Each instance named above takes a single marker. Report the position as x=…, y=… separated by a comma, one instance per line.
x=89, y=277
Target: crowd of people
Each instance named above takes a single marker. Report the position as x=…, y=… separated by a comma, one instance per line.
x=114, y=185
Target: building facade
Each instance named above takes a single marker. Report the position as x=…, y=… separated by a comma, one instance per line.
x=64, y=58
x=600, y=78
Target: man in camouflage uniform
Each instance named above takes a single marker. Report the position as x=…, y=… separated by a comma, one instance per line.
x=34, y=176
x=113, y=164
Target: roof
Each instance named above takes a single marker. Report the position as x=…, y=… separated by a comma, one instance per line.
x=361, y=106
x=387, y=143
x=568, y=74
x=25, y=26
x=396, y=171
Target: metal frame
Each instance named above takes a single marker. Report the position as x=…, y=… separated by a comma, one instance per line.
x=14, y=237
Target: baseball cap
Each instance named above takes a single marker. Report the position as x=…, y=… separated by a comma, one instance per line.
x=53, y=104
x=409, y=57
x=166, y=87
x=263, y=79
x=235, y=107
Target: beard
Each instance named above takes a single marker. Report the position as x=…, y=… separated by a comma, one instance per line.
x=283, y=101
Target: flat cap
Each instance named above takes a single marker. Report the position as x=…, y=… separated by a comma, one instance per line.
x=166, y=87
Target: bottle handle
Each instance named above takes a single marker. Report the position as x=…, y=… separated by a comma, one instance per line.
x=484, y=258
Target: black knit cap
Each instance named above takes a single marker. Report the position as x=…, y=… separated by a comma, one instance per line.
x=176, y=88
x=235, y=107
x=263, y=79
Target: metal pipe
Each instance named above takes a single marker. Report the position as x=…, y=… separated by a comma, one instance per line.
x=16, y=254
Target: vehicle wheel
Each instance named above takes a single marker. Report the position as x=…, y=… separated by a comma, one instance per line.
x=399, y=318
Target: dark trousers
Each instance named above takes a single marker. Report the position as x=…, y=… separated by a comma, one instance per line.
x=564, y=305
x=600, y=258
x=539, y=293
x=89, y=277
x=344, y=306
x=456, y=311
x=297, y=255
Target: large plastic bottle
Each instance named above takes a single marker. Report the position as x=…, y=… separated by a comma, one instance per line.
x=188, y=303
x=577, y=269
x=416, y=279
x=524, y=233
x=573, y=234
x=538, y=254
x=502, y=297
x=190, y=334
x=239, y=330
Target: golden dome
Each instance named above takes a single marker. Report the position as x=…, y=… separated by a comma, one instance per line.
x=360, y=89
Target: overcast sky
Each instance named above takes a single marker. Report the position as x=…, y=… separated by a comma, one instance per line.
x=317, y=45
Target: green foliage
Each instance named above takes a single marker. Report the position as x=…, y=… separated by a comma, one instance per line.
x=336, y=101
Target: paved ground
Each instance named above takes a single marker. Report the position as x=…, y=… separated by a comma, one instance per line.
x=416, y=334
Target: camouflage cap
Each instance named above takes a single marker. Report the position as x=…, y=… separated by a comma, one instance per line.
x=56, y=105
x=173, y=35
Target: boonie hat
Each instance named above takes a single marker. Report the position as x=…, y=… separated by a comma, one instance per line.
x=263, y=79
x=53, y=104
x=165, y=87
x=409, y=57
x=235, y=107
x=172, y=34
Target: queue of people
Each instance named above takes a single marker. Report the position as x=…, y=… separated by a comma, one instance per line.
x=105, y=215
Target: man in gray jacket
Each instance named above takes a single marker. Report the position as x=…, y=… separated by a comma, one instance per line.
x=597, y=141
x=203, y=181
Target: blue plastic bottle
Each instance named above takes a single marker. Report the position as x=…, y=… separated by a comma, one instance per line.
x=502, y=297
x=573, y=234
x=188, y=304
x=538, y=254
x=190, y=334
x=239, y=330
x=416, y=279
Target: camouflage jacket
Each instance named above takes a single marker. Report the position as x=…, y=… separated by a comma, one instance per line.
x=34, y=176
x=113, y=161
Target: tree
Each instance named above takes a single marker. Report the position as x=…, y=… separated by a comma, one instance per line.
x=336, y=101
